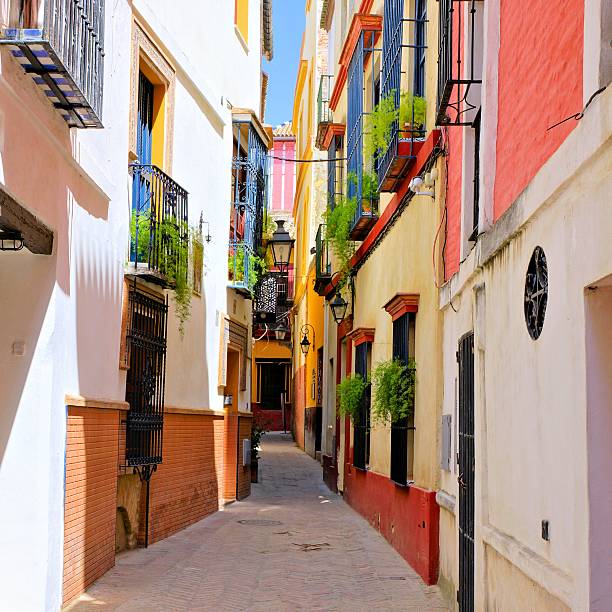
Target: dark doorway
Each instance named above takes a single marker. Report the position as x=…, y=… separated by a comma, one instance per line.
x=271, y=385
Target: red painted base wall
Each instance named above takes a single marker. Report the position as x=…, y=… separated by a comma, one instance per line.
x=407, y=517
x=274, y=418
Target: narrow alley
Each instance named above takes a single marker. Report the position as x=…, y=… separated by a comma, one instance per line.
x=292, y=545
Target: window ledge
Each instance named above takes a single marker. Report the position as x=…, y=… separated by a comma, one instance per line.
x=243, y=42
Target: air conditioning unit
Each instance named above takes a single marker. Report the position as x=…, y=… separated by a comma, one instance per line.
x=246, y=452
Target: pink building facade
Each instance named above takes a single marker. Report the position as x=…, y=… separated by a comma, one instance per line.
x=283, y=172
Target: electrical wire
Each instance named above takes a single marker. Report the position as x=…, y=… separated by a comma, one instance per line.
x=580, y=115
x=308, y=161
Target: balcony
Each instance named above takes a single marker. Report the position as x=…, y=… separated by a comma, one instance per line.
x=323, y=269
x=362, y=185
x=159, y=226
x=324, y=112
x=64, y=53
x=403, y=44
x=248, y=195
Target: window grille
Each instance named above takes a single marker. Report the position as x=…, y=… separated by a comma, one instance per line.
x=402, y=429
x=459, y=61
x=361, y=427
x=322, y=259
x=145, y=384
x=335, y=171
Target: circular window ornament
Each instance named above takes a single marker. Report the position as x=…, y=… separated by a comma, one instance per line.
x=536, y=293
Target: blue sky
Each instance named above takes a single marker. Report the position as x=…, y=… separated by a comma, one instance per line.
x=288, y=21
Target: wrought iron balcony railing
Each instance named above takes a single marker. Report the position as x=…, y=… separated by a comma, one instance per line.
x=159, y=226
x=273, y=295
x=459, y=67
x=404, y=43
x=323, y=266
x=61, y=44
x=249, y=193
x=361, y=180
x=324, y=112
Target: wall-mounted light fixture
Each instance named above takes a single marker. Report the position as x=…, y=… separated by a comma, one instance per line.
x=305, y=343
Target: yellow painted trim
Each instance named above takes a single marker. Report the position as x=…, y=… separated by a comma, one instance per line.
x=241, y=19
x=297, y=96
x=78, y=401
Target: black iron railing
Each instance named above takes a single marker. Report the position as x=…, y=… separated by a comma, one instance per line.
x=159, y=224
x=335, y=171
x=361, y=427
x=404, y=42
x=145, y=384
x=249, y=193
x=65, y=56
x=459, y=65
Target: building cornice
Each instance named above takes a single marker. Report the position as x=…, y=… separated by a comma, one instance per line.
x=401, y=303
x=361, y=334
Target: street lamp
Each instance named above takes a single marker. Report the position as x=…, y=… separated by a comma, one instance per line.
x=282, y=245
x=305, y=343
x=338, y=307
x=281, y=331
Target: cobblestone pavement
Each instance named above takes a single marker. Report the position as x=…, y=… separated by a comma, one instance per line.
x=292, y=545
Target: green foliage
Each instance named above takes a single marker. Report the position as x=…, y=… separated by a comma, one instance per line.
x=350, y=395
x=406, y=111
x=394, y=384
x=379, y=126
x=269, y=227
x=339, y=221
x=257, y=267
x=258, y=430
x=171, y=239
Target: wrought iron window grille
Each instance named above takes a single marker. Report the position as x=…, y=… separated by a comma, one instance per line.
x=323, y=265
x=459, y=70
x=361, y=427
x=536, y=293
x=359, y=178
x=249, y=194
x=335, y=171
x=11, y=240
x=65, y=57
x=324, y=112
x=404, y=45
x=159, y=217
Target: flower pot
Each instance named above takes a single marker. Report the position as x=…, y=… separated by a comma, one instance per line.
x=254, y=471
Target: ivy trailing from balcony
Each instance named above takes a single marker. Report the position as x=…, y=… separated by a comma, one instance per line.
x=257, y=267
x=171, y=239
x=350, y=396
x=394, y=384
x=339, y=221
x=409, y=116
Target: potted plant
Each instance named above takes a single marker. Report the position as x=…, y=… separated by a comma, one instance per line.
x=379, y=127
x=412, y=114
x=339, y=221
x=350, y=396
x=394, y=384
x=369, y=193
x=258, y=430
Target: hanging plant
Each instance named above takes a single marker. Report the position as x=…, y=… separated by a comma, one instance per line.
x=257, y=267
x=379, y=127
x=394, y=383
x=350, y=396
x=339, y=222
x=412, y=112
x=171, y=240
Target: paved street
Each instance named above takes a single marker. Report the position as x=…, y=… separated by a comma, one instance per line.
x=292, y=545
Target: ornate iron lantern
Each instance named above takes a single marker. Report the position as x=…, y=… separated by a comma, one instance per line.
x=338, y=307
x=282, y=245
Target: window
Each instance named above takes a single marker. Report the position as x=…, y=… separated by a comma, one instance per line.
x=361, y=428
x=241, y=19
x=335, y=171
x=198, y=261
x=420, y=10
x=402, y=431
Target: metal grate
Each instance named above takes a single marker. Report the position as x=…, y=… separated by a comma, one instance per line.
x=361, y=427
x=465, y=358
x=400, y=429
x=159, y=217
x=459, y=70
x=65, y=57
x=366, y=212
x=322, y=259
x=335, y=172
x=536, y=293
x=249, y=191
x=324, y=114
x=146, y=378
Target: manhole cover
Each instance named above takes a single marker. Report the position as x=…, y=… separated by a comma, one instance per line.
x=259, y=522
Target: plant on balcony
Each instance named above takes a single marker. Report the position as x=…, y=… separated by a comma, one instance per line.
x=412, y=122
x=379, y=127
x=257, y=267
x=394, y=384
x=171, y=239
x=369, y=193
x=350, y=396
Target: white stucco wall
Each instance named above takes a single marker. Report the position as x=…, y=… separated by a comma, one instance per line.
x=67, y=306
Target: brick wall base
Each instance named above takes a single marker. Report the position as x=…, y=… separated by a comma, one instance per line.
x=91, y=491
